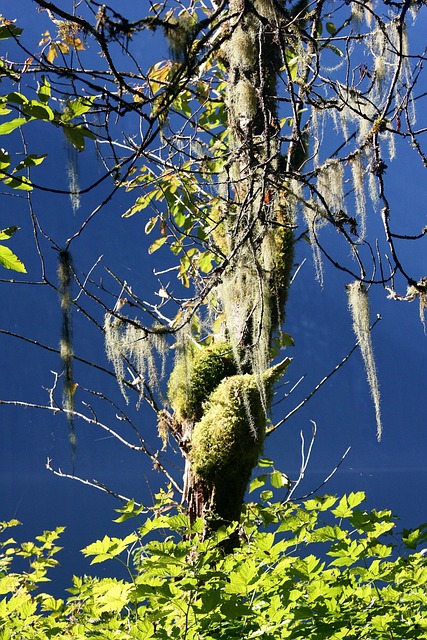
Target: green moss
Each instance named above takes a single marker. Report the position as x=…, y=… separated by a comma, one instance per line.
x=220, y=210
x=197, y=372
x=283, y=261
x=229, y=437
x=223, y=440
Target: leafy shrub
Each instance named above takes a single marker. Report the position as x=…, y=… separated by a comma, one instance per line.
x=324, y=568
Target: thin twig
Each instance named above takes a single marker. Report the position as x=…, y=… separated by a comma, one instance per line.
x=91, y=483
x=143, y=448
x=332, y=473
x=305, y=459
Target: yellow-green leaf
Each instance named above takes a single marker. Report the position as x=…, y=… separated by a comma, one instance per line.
x=8, y=127
x=44, y=92
x=10, y=261
x=4, y=159
x=157, y=244
x=279, y=480
x=5, y=234
x=22, y=183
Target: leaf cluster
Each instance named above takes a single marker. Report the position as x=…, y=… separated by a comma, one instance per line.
x=325, y=568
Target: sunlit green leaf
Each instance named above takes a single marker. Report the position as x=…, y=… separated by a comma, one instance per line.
x=5, y=234
x=205, y=261
x=108, y=548
x=266, y=495
x=257, y=482
x=30, y=161
x=130, y=510
x=44, y=91
x=8, y=127
x=413, y=537
x=265, y=462
x=38, y=110
x=20, y=183
x=10, y=260
x=157, y=244
x=279, y=480
x=150, y=224
x=77, y=107
x=4, y=159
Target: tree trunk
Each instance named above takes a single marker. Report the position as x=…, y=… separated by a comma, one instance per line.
x=227, y=439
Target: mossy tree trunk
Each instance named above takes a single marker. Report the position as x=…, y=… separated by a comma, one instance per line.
x=256, y=232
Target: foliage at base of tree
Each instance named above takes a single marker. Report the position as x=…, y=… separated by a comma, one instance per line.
x=325, y=568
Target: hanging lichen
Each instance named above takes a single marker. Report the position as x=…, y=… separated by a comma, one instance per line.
x=113, y=330
x=358, y=174
x=259, y=222
x=388, y=45
x=330, y=185
x=127, y=341
x=179, y=31
x=314, y=222
x=358, y=303
x=358, y=109
x=65, y=276
x=73, y=177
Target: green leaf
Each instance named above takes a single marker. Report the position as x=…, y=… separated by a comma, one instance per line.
x=32, y=160
x=279, y=342
x=128, y=511
x=257, y=482
x=157, y=244
x=38, y=111
x=44, y=92
x=320, y=503
x=111, y=595
x=9, y=30
x=150, y=224
x=4, y=159
x=286, y=340
x=141, y=203
x=108, y=548
x=331, y=28
x=5, y=234
x=292, y=60
x=347, y=504
x=354, y=499
x=413, y=537
x=266, y=495
x=76, y=135
x=21, y=184
x=205, y=261
x=10, y=261
x=17, y=97
x=8, y=127
x=77, y=107
x=279, y=480
x=265, y=462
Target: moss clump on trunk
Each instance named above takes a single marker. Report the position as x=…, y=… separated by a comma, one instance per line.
x=197, y=372
x=229, y=437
